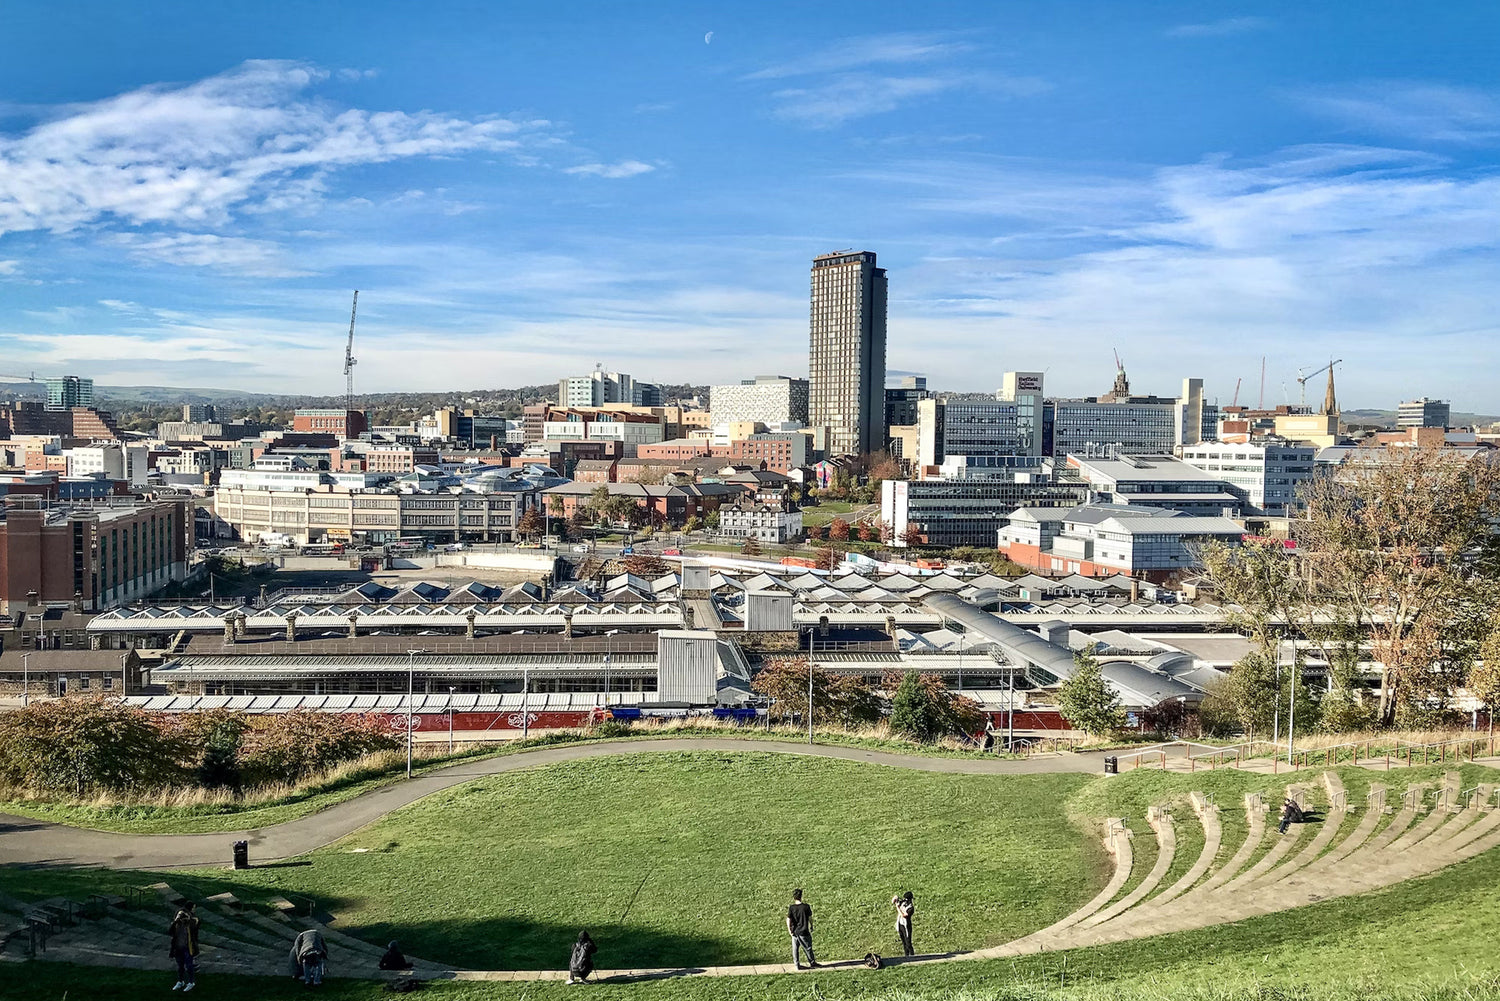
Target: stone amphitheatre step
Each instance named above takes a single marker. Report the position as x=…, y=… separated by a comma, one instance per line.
x=357, y=951
x=1374, y=812
x=1255, y=828
x=1117, y=842
x=1213, y=833
x=1328, y=829
x=1166, y=849
x=1279, y=849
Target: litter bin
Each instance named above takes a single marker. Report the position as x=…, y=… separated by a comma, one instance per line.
x=1111, y=765
x=242, y=854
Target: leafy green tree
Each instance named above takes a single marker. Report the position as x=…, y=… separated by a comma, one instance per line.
x=1087, y=701
x=924, y=709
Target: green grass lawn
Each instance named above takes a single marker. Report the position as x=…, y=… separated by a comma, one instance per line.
x=204, y=819
x=502, y=872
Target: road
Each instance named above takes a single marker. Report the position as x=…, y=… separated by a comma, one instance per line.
x=24, y=841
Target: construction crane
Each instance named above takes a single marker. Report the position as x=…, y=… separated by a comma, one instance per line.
x=1302, y=379
x=1237, y=392
x=349, y=360
x=19, y=378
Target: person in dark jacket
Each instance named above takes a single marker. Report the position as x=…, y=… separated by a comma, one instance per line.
x=581, y=963
x=393, y=960
x=309, y=957
x=1290, y=813
x=905, y=907
x=184, y=946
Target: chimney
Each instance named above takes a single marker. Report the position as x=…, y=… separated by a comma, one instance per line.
x=1135, y=590
x=354, y=625
x=494, y=442
x=228, y=628
x=890, y=630
x=291, y=627
x=568, y=624
x=469, y=618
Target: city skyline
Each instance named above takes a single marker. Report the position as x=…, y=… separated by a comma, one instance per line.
x=187, y=196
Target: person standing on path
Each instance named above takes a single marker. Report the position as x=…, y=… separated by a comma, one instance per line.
x=581, y=962
x=905, y=907
x=184, y=946
x=309, y=957
x=799, y=926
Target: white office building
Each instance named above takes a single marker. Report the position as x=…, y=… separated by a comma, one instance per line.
x=1267, y=475
x=772, y=400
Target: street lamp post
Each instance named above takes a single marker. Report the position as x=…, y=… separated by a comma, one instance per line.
x=608, y=666
x=525, y=691
x=411, y=673
x=450, y=719
x=809, y=697
x=1010, y=713
x=25, y=680
x=1291, y=723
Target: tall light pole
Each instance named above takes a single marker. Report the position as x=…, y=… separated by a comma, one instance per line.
x=1291, y=723
x=411, y=672
x=1010, y=714
x=608, y=667
x=809, y=696
x=450, y=719
x=525, y=690
x=25, y=680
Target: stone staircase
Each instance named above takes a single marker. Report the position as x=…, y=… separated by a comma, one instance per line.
x=1335, y=855
x=132, y=934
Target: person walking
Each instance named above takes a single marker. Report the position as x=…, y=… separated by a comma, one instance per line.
x=799, y=926
x=309, y=957
x=183, y=932
x=905, y=907
x=581, y=962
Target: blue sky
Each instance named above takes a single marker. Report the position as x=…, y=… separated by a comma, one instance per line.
x=188, y=191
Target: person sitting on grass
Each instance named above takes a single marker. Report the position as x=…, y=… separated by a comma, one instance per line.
x=581, y=963
x=393, y=960
x=184, y=946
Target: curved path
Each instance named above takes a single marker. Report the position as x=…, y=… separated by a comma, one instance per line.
x=24, y=841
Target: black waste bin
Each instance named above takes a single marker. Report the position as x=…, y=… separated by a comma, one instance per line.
x=1111, y=765
x=242, y=854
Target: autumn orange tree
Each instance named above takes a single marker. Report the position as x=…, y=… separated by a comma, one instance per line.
x=838, y=700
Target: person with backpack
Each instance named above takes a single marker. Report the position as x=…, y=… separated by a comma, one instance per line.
x=183, y=932
x=905, y=907
x=393, y=959
x=581, y=962
x=799, y=926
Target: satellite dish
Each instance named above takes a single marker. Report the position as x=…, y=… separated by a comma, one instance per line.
x=708, y=38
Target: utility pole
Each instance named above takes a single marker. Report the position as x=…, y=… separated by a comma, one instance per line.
x=1276, y=718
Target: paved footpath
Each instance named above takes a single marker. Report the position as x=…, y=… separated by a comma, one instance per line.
x=24, y=841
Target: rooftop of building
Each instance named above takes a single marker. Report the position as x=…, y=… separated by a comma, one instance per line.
x=1154, y=468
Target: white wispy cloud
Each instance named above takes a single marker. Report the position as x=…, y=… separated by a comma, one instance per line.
x=870, y=50
x=1218, y=29
x=1434, y=112
x=195, y=154
x=10, y=267
x=625, y=168
x=236, y=254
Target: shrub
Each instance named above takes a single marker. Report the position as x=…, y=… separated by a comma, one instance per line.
x=79, y=746
x=287, y=747
x=924, y=709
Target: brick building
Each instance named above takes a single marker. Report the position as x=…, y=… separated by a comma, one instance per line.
x=342, y=423
x=94, y=555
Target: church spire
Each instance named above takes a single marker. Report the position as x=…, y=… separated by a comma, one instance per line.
x=1330, y=400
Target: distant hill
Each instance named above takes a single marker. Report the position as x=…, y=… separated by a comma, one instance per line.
x=1388, y=417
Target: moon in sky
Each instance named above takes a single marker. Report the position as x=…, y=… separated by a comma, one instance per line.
x=708, y=38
